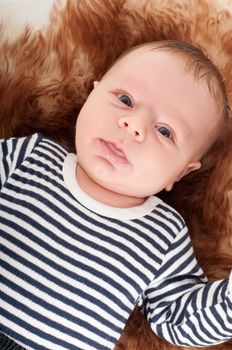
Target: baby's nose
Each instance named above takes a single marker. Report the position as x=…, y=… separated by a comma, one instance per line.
x=133, y=126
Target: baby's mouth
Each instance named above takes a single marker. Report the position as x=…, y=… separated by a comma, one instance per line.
x=114, y=152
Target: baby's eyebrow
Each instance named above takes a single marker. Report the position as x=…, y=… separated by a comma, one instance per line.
x=130, y=80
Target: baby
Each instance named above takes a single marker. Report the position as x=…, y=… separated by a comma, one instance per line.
x=83, y=237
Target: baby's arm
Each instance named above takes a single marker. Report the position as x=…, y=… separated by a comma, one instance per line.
x=12, y=153
x=181, y=306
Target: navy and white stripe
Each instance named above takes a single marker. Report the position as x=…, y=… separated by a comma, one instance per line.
x=70, y=275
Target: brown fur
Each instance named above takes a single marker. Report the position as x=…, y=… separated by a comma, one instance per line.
x=46, y=75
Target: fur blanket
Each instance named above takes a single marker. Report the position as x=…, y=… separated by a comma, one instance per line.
x=46, y=75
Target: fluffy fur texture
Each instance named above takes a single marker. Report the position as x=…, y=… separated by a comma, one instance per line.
x=46, y=75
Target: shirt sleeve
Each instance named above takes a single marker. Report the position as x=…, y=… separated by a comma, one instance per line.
x=182, y=306
x=13, y=151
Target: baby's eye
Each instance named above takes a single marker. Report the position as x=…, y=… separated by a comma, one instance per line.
x=125, y=99
x=164, y=131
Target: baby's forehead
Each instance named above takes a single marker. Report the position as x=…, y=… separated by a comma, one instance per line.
x=139, y=55
x=146, y=63
x=151, y=66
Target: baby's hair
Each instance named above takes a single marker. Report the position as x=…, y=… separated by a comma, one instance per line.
x=201, y=67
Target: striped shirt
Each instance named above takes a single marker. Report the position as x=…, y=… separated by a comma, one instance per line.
x=72, y=269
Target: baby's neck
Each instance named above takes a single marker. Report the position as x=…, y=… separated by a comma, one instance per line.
x=104, y=195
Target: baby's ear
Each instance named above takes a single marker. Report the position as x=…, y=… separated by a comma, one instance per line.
x=189, y=168
x=95, y=83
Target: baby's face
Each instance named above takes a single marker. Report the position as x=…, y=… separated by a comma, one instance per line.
x=144, y=126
